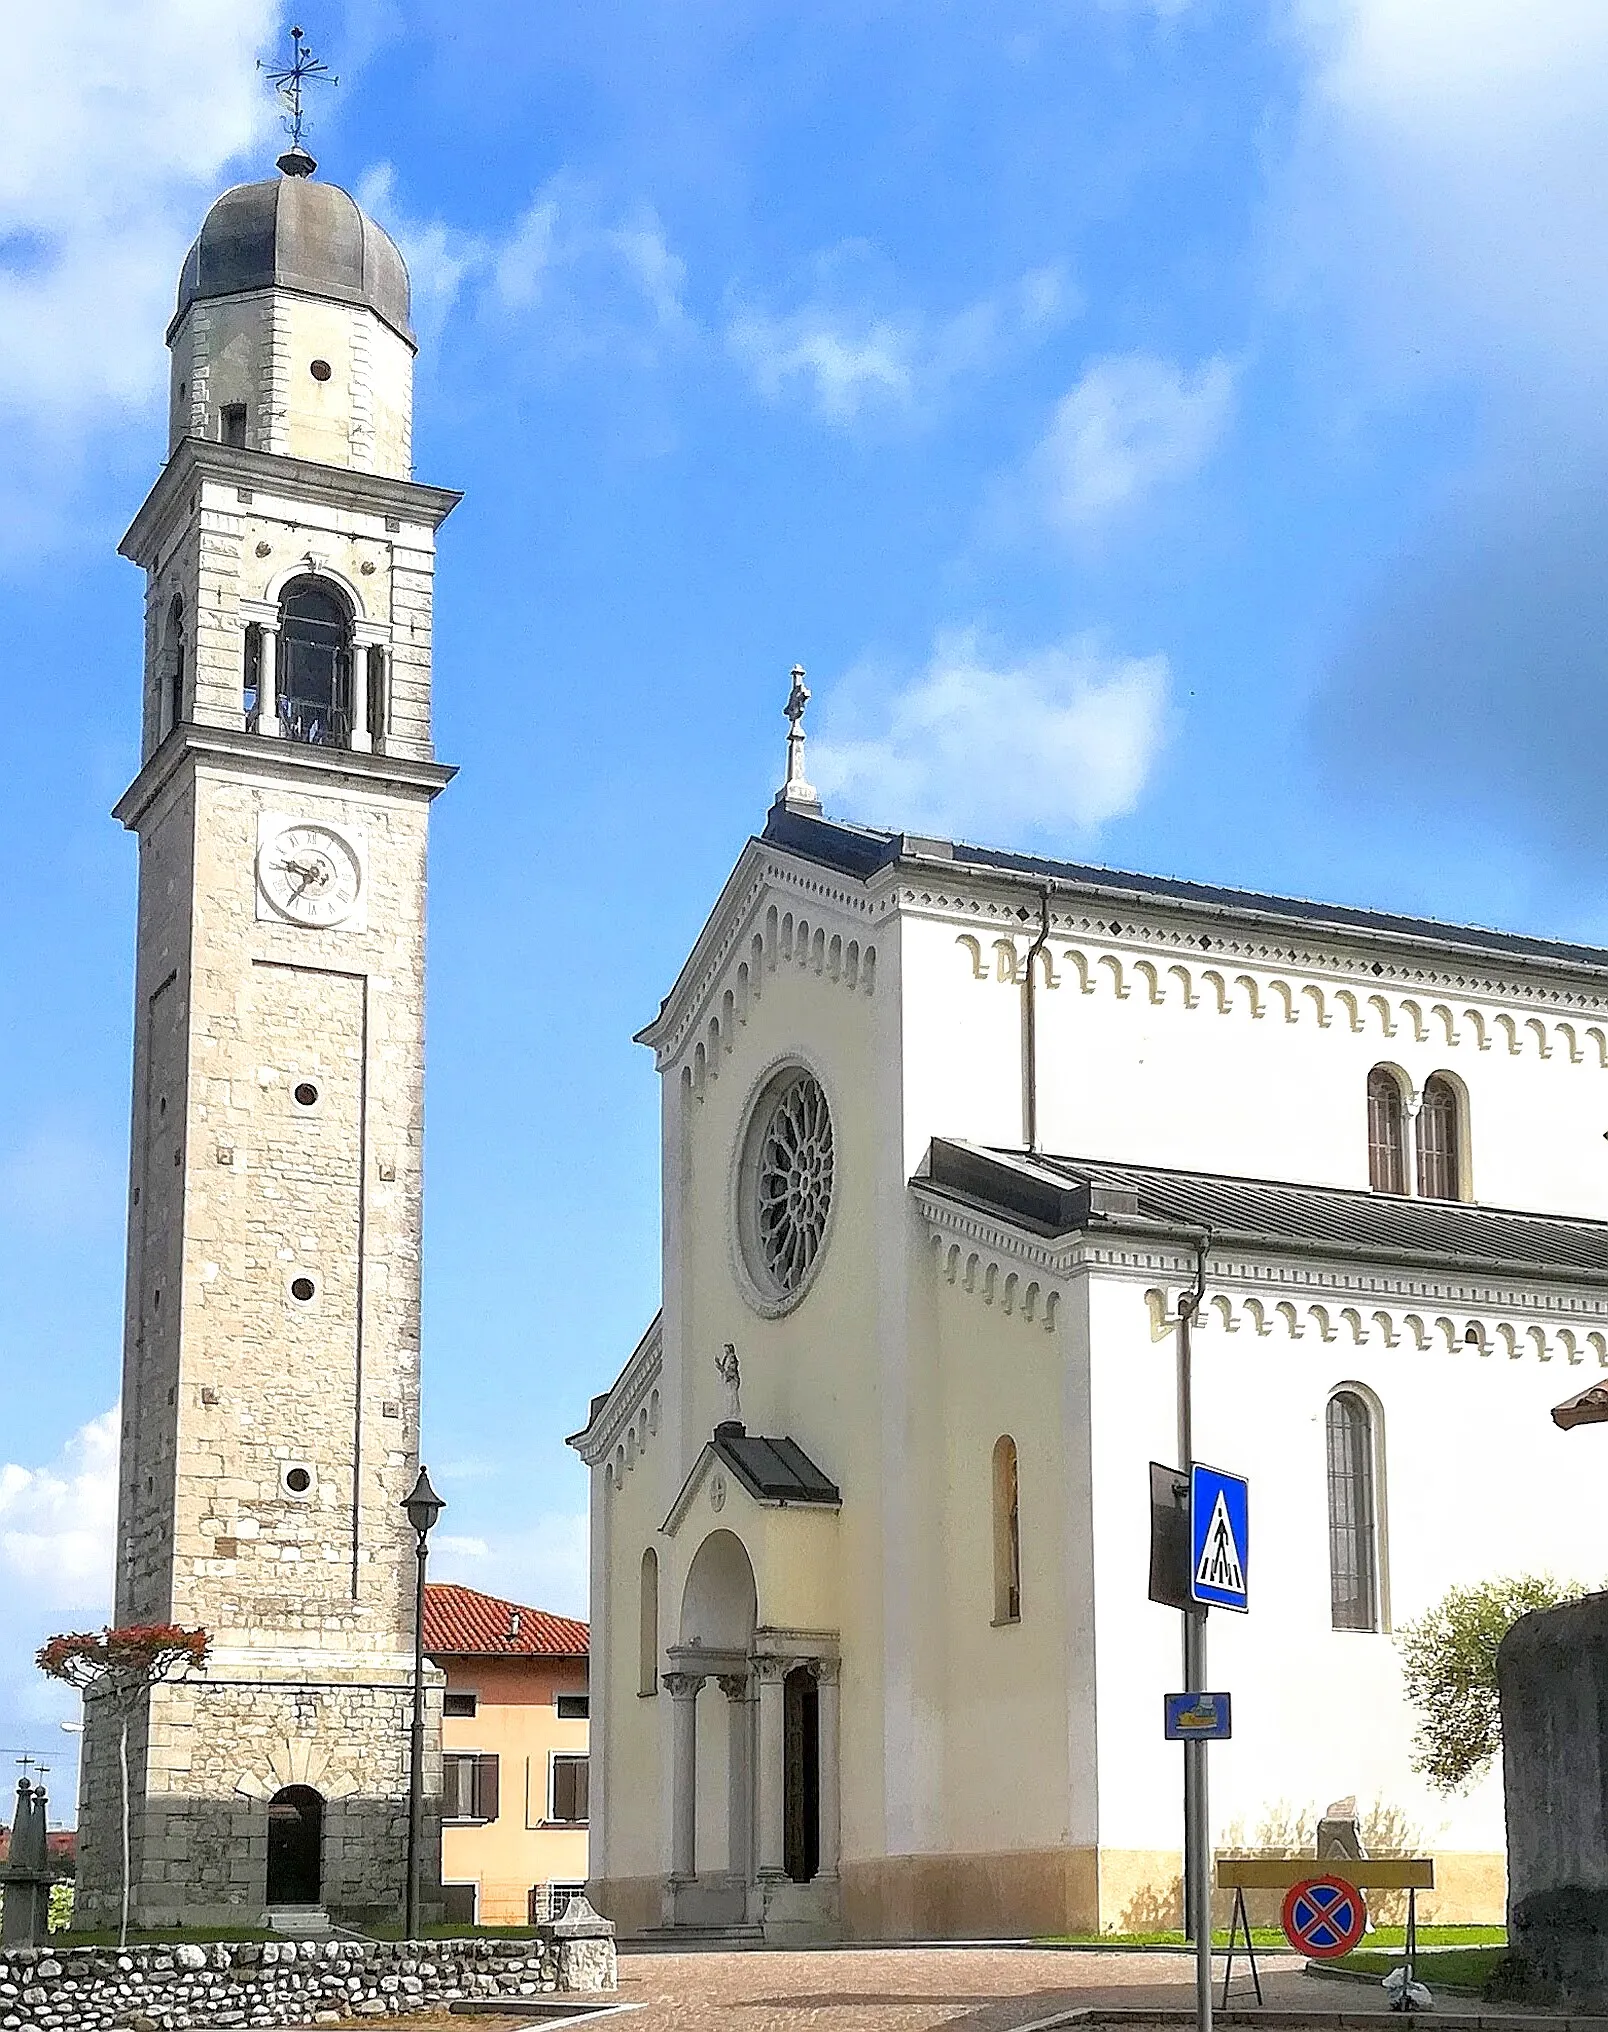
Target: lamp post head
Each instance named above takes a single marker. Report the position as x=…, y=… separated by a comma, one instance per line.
x=1590, y=1407
x=423, y=1505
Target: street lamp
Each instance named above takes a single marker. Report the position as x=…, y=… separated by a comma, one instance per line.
x=423, y=1506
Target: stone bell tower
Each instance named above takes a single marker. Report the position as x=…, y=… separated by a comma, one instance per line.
x=271, y=1354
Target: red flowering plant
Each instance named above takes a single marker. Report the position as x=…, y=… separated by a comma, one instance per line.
x=121, y=1666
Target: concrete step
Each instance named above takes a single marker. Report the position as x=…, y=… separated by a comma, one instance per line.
x=300, y=1922
x=690, y=1939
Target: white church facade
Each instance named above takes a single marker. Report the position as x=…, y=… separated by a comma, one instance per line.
x=942, y=1128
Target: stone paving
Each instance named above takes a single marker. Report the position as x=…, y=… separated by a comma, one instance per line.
x=961, y=1989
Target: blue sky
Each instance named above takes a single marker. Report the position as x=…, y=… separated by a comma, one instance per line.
x=1168, y=433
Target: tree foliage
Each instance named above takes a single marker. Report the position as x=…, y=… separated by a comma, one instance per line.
x=1449, y=1672
x=126, y=1660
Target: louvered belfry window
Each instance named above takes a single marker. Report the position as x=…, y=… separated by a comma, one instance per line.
x=1440, y=1169
x=1387, y=1132
x=1353, y=1522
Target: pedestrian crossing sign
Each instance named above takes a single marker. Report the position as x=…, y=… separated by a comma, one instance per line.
x=1219, y=1538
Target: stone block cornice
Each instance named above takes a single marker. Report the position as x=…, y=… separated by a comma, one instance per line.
x=289, y=761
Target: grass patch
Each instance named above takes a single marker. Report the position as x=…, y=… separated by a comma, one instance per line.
x=170, y=1936
x=1272, y=1937
x=1455, y=1967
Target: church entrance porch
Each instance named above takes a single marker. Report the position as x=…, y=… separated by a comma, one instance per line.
x=753, y=1778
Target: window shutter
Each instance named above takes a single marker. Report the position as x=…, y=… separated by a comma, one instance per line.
x=485, y=1788
x=582, y=1788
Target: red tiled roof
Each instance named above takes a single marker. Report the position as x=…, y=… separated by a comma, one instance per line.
x=462, y=1622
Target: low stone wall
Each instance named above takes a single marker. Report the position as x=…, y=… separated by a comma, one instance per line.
x=308, y=1982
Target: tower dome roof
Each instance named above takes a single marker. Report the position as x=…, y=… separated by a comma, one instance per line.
x=293, y=233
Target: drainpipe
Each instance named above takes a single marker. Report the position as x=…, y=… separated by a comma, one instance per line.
x=1030, y=1020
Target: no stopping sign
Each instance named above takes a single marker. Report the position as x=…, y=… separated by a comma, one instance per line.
x=1324, y=1917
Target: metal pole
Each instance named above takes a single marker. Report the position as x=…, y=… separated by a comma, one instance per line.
x=410, y=1917
x=1197, y=1819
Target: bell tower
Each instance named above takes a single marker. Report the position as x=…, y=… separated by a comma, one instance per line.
x=271, y=1353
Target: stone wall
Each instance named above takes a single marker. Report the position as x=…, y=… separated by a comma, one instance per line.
x=1552, y=1672
x=282, y=1983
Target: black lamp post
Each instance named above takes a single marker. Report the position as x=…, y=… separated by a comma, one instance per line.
x=423, y=1506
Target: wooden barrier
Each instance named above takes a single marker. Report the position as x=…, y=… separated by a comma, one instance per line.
x=1368, y=1873
x=1240, y=1874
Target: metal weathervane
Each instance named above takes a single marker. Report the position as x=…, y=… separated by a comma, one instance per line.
x=303, y=69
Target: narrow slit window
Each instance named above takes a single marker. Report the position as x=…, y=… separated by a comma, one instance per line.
x=1440, y=1153
x=232, y=424
x=1353, y=1513
x=648, y=1627
x=1387, y=1132
x=251, y=673
x=176, y=662
x=378, y=703
x=1007, y=1534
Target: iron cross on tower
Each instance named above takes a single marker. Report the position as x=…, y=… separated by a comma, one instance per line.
x=303, y=68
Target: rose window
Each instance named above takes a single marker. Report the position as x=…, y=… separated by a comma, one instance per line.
x=787, y=1185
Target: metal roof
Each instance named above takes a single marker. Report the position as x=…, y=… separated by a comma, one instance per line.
x=862, y=850
x=1056, y=1196
x=294, y=233
x=773, y=1470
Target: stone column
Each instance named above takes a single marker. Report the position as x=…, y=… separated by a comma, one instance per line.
x=739, y=1776
x=268, y=684
x=683, y=1690
x=362, y=735
x=772, y=1759
x=1415, y=1102
x=827, y=1711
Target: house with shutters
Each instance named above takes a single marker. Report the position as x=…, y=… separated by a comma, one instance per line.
x=514, y=1767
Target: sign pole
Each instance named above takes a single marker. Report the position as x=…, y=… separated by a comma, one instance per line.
x=1197, y=1822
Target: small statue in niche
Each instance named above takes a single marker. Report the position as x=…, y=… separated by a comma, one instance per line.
x=731, y=1378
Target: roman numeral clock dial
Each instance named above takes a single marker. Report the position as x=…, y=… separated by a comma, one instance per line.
x=310, y=874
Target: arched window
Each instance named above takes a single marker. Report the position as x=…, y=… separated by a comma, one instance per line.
x=174, y=647
x=1353, y=1513
x=1387, y=1132
x=1007, y=1534
x=315, y=664
x=648, y=1625
x=378, y=704
x=1440, y=1153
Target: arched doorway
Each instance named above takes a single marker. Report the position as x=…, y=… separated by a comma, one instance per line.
x=296, y=1847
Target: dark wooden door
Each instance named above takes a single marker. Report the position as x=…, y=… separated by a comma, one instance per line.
x=801, y=1792
x=296, y=1847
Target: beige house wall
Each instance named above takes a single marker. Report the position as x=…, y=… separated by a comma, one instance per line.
x=517, y=1722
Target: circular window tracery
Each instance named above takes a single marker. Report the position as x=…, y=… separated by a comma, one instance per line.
x=785, y=1187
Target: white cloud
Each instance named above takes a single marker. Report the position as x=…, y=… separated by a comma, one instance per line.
x=1053, y=743
x=128, y=117
x=1132, y=424
x=846, y=359
x=1449, y=184
x=574, y=277
x=57, y=1525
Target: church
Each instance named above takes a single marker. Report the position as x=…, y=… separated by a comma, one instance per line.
x=947, y=1133
x=270, y=1400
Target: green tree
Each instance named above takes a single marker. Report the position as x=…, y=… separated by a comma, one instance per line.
x=1449, y=1672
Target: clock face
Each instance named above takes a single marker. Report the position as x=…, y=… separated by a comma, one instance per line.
x=310, y=874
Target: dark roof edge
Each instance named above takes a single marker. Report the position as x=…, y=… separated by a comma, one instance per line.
x=965, y=1183
x=862, y=851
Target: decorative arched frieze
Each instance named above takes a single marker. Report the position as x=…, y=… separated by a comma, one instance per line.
x=1479, y=1334
x=1096, y=971
x=1008, y=1287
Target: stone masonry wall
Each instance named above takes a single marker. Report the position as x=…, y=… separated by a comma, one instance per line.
x=170, y=1989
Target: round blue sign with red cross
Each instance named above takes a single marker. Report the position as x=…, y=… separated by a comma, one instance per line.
x=1324, y=1916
